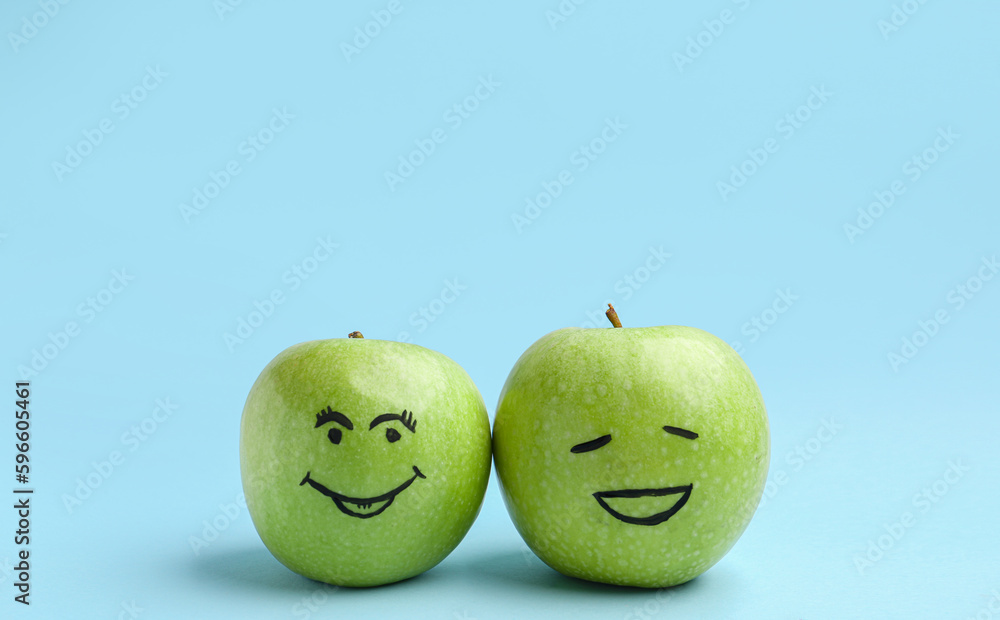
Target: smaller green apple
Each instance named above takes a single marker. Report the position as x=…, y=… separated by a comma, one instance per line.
x=364, y=462
x=631, y=456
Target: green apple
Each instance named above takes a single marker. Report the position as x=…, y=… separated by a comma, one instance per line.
x=631, y=456
x=364, y=462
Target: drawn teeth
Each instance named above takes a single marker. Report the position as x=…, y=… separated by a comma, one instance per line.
x=363, y=507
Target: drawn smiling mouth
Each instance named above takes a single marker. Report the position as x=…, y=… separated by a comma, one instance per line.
x=362, y=507
x=684, y=492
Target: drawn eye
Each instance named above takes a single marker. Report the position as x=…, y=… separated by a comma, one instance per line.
x=391, y=434
x=593, y=444
x=335, y=434
x=681, y=432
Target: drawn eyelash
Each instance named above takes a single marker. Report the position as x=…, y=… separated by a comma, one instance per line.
x=329, y=415
x=407, y=419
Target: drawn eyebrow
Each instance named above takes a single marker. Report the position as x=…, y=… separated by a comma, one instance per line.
x=593, y=444
x=406, y=418
x=328, y=415
x=680, y=432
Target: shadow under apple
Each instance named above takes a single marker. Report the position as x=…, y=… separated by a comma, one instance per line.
x=255, y=569
x=503, y=572
x=522, y=570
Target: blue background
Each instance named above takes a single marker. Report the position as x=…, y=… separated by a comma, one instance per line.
x=169, y=95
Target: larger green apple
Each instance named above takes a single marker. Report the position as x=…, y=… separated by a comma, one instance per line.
x=631, y=456
x=364, y=462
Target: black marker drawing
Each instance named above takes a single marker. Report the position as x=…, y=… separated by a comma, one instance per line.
x=593, y=444
x=680, y=432
x=406, y=418
x=362, y=503
x=329, y=415
x=654, y=519
x=360, y=506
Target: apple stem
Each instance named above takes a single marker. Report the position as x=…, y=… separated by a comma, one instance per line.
x=355, y=335
x=612, y=316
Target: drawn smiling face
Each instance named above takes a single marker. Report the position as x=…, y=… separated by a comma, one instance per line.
x=675, y=497
x=335, y=424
